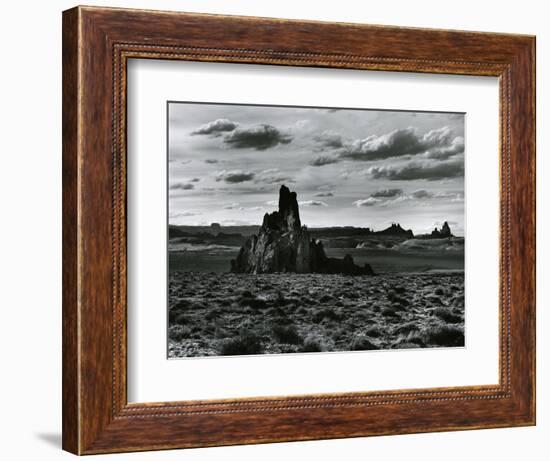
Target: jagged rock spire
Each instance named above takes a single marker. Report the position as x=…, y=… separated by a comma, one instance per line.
x=282, y=245
x=288, y=208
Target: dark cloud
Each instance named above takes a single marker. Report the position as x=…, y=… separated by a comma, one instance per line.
x=413, y=170
x=195, y=180
x=216, y=127
x=329, y=140
x=211, y=160
x=312, y=203
x=181, y=186
x=420, y=194
x=234, y=176
x=437, y=144
x=259, y=137
x=387, y=193
x=427, y=195
x=324, y=160
x=381, y=197
x=324, y=194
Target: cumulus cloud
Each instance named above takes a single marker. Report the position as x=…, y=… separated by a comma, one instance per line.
x=216, y=127
x=329, y=140
x=370, y=201
x=386, y=197
x=181, y=186
x=324, y=194
x=234, y=176
x=273, y=176
x=455, y=147
x=312, y=203
x=387, y=193
x=260, y=137
x=414, y=170
x=324, y=160
x=437, y=144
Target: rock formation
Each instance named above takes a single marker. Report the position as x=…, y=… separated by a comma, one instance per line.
x=443, y=233
x=397, y=231
x=284, y=245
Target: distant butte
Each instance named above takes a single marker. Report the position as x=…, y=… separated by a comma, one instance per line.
x=284, y=245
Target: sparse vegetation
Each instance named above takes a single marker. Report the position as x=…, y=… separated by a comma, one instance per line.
x=444, y=313
x=285, y=313
x=287, y=334
x=362, y=343
x=246, y=343
x=444, y=335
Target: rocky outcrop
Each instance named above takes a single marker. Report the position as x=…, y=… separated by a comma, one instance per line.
x=396, y=230
x=284, y=245
x=443, y=233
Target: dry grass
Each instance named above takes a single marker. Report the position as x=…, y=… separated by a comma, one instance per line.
x=239, y=314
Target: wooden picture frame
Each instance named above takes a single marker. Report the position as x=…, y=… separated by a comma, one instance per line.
x=97, y=43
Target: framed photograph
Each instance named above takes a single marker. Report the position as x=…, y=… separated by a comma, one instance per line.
x=281, y=230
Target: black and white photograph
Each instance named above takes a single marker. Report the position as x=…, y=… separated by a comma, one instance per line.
x=313, y=229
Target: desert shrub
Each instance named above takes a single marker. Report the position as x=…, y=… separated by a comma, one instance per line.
x=313, y=344
x=253, y=302
x=457, y=301
x=287, y=334
x=434, y=299
x=246, y=294
x=396, y=299
x=246, y=343
x=327, y=313
x=181, y=304
x=212, y=315
x=404, y=344
x=362, y=343
x=351, y=295
x=458, y=311
x=308, y=301
x=178, y=332
x=439, y=291
x=274, y=311
x=326, y=298
x=444, y=313
x=444, y=335
x=406, y=328
x=414, y=337
x=180, y=319
x=282, y=320
x=375, y=331
x=389, y=311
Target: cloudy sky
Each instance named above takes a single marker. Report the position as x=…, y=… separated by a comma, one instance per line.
x=349, y=167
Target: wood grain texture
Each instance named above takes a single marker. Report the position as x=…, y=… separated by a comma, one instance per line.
x=97, y=43
x=70, y=384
